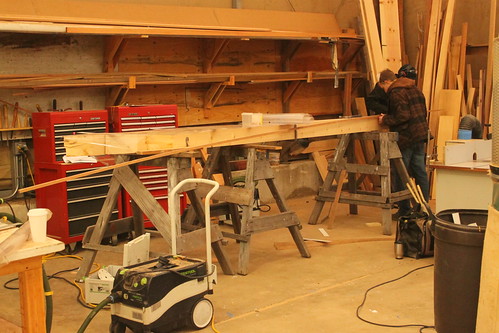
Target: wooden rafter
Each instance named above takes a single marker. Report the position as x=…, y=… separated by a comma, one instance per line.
x=291, y=90
x=289, y=49
x=116, y=95
x=354, y=47
x=214, y=49
x=215, y=91
x=113, y=49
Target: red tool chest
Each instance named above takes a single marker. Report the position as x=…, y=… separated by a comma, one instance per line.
x=75, y=204
x=50, y=127
x=140, y=118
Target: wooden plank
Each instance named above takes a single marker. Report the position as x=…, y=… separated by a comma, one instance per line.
x=444, y=49
x=367, y=144
x=376, y=59
x=363, y=169
x=157, y=15
x=145, y=200
x=453, y=61
x=321, y=145
x=201, y=32
x=470, y=100
x=446, y=129
x=430, y=51
x=390, y=34
x=194, y=138
x=361, y=159
x=321, y=163
x=490, y=63
x=462, y=52
x=334, y=205
x=311, y=243
x=117, y=79
x=271, y=222
x=450, y=105
x=480, y=101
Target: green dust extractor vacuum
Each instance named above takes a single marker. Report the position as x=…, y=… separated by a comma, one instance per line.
x=167, y=293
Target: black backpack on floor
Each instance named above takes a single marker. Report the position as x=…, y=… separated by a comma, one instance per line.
x=415, y=234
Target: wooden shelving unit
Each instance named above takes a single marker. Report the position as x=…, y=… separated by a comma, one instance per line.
x=214, y=63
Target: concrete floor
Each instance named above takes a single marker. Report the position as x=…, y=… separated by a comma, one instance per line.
x=283, y=291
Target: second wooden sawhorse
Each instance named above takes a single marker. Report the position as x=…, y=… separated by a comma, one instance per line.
x=344, y=159
x=244, y=223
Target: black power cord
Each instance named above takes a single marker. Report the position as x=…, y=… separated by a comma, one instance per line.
x=421, y=326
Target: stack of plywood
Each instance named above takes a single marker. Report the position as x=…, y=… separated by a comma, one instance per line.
x=446, y=79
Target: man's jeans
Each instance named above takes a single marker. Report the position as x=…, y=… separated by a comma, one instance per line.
x=414, y=159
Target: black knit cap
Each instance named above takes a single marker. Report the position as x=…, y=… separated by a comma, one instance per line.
x=408, y=71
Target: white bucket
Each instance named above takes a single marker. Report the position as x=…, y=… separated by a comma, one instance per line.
x=38, y=218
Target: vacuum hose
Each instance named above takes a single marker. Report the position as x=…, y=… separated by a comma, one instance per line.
x=109, y=299
x=48, y=301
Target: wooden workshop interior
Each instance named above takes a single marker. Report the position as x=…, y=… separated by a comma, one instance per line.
x=256, y=115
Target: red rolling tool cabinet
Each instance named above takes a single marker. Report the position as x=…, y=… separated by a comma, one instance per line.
x=75, y=204
x=140, y=118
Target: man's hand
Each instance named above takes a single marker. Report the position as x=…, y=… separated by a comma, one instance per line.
x=380, y=118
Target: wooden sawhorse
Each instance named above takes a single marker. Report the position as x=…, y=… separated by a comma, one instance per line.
x=246, y=224
x=143, y=202
x=344, y=160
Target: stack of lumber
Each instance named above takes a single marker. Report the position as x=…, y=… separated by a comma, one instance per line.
x=444, y=75
x=447, y=82
x=131, y=80
x=387, y=51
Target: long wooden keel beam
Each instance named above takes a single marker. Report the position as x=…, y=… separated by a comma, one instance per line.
x=152, y=142
x=202, y=137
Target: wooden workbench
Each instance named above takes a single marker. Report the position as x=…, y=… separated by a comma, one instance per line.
x=27, y=263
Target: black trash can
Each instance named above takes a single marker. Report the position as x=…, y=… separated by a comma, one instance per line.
x=458, y=260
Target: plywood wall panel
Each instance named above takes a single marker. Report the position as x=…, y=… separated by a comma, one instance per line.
x=161, y=55
x=312, y=57
x=317, y=98
x=248, y=56
x=264, y=98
